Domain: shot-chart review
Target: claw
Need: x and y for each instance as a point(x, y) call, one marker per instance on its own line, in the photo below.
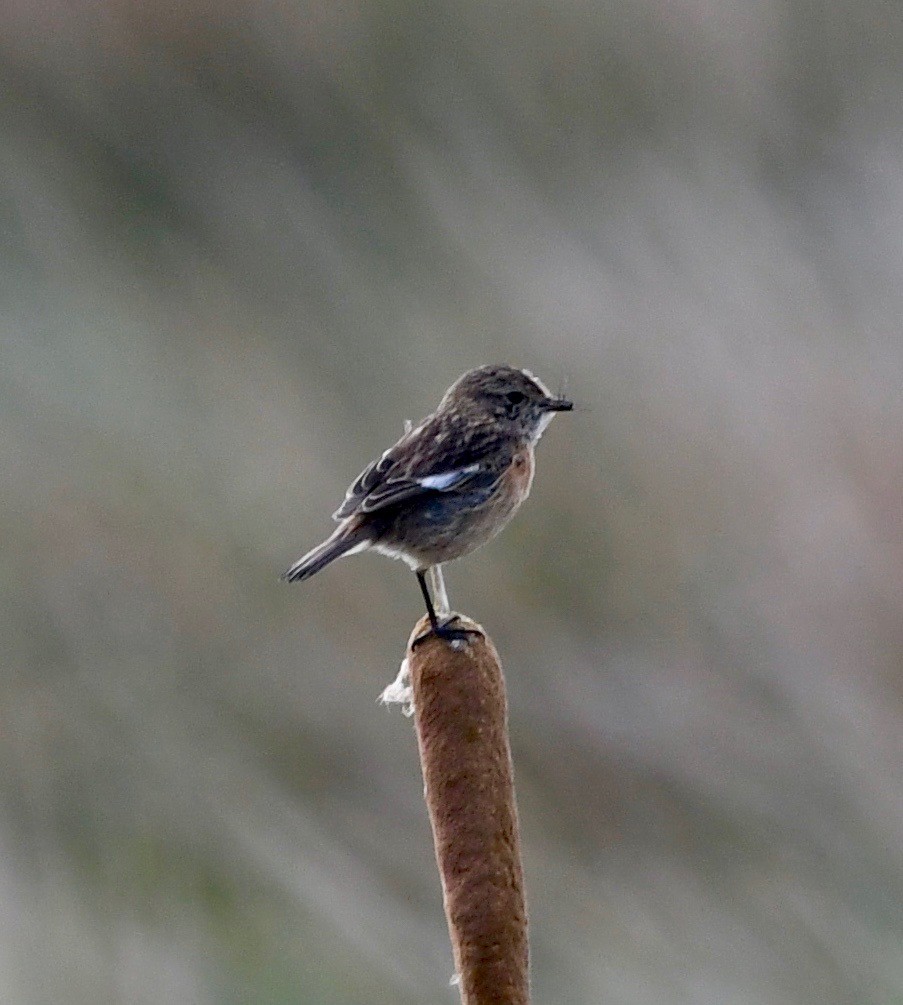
point(444, 630)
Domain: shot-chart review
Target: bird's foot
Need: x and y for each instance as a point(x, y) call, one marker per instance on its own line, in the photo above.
point(446, 629)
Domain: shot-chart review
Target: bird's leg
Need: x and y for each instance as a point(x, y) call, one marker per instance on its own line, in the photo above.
point(437, 588)
point(428, 600)
point(441, 623)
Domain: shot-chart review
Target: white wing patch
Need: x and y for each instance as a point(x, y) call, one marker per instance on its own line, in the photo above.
point(445, 479)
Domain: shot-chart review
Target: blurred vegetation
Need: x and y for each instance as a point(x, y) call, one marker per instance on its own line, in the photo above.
point(240, 246)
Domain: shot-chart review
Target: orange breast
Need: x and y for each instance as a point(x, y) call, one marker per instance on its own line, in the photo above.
point(521, 473)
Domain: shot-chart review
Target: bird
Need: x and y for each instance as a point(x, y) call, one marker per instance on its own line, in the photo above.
point(447, 486)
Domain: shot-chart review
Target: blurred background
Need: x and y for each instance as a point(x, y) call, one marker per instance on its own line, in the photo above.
point(241, 245)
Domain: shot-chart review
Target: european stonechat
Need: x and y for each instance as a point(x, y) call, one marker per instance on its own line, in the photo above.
point(448, 485)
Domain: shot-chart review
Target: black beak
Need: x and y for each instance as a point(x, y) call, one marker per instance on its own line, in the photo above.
point(558, 405)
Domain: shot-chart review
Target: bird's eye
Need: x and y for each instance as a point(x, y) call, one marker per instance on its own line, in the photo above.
point(515, 397)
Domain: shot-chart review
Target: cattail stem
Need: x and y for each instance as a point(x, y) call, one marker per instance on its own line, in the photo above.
point(461, 717)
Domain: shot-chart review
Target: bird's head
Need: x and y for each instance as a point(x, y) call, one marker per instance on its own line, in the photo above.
point(511, 397)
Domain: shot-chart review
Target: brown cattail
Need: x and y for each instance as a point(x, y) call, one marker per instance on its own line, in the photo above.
point(461, 717)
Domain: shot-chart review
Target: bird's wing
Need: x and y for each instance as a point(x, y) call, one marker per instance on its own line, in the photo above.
point(432, 458)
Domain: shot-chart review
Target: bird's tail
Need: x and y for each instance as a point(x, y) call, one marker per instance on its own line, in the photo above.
point(345, 538)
